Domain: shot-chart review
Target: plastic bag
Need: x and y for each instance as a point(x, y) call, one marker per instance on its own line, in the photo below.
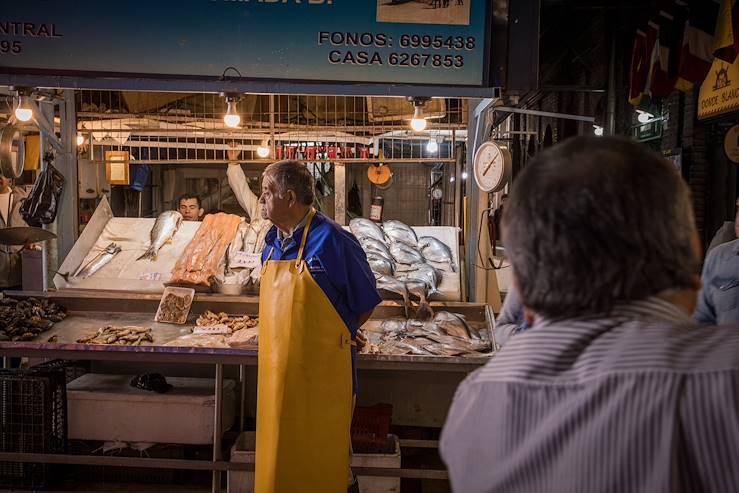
point(41, 205)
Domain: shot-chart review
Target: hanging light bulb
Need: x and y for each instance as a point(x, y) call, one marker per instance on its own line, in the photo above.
point(432, 146)
point(464, 175)
point(232, 117)
point(418, 122)
point(598, 130)
point(23, 111)
point(643, 116)
point(80, 139)
point(263, 150)
point(451, 180)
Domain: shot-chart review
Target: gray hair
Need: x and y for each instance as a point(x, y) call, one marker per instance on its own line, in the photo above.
point(292, 175)
point(595, 221)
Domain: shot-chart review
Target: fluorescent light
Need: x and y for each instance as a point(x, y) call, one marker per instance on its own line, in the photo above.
point(23, 112)
point(418, 122)
point(598, 130)
point(432, 146)
point(232, 117)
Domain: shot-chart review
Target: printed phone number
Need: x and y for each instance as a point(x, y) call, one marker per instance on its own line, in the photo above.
point(396, 59)
point(10, 47)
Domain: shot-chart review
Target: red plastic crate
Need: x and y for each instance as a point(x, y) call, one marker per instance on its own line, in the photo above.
point(370, 429)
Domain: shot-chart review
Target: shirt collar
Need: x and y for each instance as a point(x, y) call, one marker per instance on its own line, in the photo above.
point(287, 241)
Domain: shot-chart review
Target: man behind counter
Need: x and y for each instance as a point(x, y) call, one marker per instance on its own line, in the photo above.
point(189, 206)
point(317, 289)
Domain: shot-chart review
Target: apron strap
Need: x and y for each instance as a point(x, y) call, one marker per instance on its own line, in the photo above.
point(311, 215)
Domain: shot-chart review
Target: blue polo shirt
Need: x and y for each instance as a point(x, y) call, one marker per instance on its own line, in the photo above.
point(339, 266)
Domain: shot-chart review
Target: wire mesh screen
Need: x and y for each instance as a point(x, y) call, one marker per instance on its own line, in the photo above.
point(189, 128)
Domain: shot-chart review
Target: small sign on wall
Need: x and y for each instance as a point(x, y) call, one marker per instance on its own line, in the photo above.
point(116, 167)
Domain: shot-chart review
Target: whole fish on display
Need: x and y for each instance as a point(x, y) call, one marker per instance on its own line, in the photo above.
point(399, 232)
point(371, 245)
point(380, 264)
point(163, 231)
point(392, 285)
point(436, 251)
point(100, 260)
point(364, 228)
point(420, 289)
point(424, 273)
point(403, 254)
point(454, 325)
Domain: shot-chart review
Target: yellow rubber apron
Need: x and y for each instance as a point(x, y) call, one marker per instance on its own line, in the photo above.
point(304, 394)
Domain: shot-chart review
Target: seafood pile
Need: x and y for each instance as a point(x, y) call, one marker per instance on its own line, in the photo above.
point(447, 334)
point(23, 320)
point(175, 305)
point(233, 323)
point(402, 262)
point(129, 335)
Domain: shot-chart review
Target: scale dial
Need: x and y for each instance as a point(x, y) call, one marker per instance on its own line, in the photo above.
point(492, 166)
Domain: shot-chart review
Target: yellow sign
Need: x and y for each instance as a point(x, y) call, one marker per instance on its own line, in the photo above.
point(116, 167)
point(719, 93)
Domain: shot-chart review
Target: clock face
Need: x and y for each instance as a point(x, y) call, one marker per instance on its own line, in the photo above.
point(491, 166)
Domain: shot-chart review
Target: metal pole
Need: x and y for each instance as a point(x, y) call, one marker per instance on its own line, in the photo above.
point(217, 426)
point(242, 404)
point(611, 112)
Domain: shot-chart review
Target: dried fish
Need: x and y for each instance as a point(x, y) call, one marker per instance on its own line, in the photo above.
point(130, 335)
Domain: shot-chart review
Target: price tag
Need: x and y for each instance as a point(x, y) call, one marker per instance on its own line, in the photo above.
point(247, 260)
point(211, 329)
point(151, 276)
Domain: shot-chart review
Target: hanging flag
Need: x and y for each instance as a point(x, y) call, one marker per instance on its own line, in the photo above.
point(641, 63)
point(726, 40)
point(666, 53)
point(696, 55)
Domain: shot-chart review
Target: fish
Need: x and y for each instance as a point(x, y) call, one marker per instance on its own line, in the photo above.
point(403, 254)
point(420, 289)
point(393, 326)
point(422, 272)
point(100, 260)
point(163, 231)
point(436, 251)
point(364, 228)
point(380, 264)
point(372, 245)
point(453, 324)
point(392, 285)
point(398, 232)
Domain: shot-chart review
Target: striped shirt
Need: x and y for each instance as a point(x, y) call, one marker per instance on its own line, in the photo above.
point(642, 400)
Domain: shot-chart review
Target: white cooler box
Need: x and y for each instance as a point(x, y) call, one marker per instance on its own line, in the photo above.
point(243, 481)
point(106, 407)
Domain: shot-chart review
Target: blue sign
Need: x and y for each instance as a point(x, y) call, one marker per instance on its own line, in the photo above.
point(441, 42)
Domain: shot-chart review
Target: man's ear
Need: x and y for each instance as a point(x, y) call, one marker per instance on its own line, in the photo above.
point(201, 211)
point(291, 197)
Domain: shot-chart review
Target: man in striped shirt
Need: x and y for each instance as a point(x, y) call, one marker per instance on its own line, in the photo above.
point(614, 388)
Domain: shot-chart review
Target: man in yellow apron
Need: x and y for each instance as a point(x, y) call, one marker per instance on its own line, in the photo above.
point(317, 289)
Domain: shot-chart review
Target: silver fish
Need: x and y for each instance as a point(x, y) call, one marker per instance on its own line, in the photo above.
point(453, 324)
point(392, 285)
point(163, 231)
point(424, 273)
point(403, 254)
point(420, 289)
point(361, 227)
point(398, 232)
point(372, 245)
point(380, 264)
point(436, 251)
point(98, 262)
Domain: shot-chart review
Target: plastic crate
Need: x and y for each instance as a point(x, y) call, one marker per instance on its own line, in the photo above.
point(370, 429)
point(33, 419)
point(72, 369)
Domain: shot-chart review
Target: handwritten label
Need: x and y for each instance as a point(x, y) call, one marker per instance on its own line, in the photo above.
point(150, 276)
point(246, 260)
point(211, 329)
